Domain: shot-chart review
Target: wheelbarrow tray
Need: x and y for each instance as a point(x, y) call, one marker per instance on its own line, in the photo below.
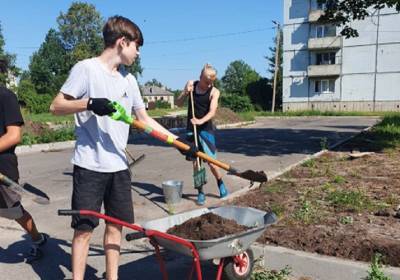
point(230, 245)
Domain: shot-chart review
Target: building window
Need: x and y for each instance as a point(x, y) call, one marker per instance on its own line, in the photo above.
point(321, 6)
point(324, 86)
point(325, 31)
point(326, 58)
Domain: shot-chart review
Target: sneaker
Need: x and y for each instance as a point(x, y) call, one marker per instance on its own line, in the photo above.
point(223, 192)
point(36, 253)
point(201, 198)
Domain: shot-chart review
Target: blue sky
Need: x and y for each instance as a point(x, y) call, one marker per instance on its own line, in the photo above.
point(180, 36)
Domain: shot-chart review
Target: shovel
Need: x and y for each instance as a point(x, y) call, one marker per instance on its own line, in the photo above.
point(199, 173)
point(26, 190)
point(121, 115)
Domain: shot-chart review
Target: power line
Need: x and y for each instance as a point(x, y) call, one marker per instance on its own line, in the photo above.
point(209, 36)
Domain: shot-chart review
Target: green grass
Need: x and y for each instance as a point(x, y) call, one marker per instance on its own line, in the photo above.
point(311, 163)
point(338, 179)
point(349, 200)
point(376, 272)
point(46, 117)
point(49, 136)
point(162, 112)
point(249, 116)
point(382, 137)
point(264, 274)
point(307, 213)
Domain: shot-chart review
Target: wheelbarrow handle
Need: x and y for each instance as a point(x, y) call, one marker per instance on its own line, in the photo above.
point(68, 212)
point(135, 236)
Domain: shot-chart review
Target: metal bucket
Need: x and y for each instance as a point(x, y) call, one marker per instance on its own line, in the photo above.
point(172, 190)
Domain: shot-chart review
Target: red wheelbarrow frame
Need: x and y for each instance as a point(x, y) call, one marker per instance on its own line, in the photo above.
point(155, 233)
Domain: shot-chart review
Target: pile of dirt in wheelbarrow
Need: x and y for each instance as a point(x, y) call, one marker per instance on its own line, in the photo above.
point(206, 227)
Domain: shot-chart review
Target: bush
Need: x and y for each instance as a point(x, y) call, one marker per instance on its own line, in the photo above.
point(236, 103)
point(34, 103)
point(162, 104)
point(49, 136)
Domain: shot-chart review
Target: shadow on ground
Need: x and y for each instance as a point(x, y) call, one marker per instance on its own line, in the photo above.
point(266, 141)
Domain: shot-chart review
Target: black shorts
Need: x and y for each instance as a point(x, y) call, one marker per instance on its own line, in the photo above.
point(91, 189)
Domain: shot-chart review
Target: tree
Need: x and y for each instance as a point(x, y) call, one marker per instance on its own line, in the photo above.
point(271, 69)
point(154, 82)
point(136, 68)
point(49, 66)
point(81, 33)
point(260, 93)
point(7, 63)
point(237, 76)
point(344, 11)
point(81, 26)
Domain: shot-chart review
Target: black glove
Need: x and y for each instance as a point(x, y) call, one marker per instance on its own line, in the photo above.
point(191, 153)
point(100, 106)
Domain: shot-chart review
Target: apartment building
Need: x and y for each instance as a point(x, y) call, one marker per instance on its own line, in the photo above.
point(324, 71)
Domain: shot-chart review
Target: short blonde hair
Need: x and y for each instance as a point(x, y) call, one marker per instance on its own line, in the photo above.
point(209, 71)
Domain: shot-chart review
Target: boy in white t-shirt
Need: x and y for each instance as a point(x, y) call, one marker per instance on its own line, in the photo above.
point(100, 165)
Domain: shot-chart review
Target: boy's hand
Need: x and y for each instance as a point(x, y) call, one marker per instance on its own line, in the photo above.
point(189, 87)
point(191, 153)
point(100, 106)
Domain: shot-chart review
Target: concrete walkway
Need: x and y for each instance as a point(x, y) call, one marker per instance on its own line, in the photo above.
point(271, 144)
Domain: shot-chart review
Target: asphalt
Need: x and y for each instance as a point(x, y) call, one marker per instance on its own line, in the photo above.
point(271, 145)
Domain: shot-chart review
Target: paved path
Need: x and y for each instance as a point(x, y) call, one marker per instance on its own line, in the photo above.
point(272, 144)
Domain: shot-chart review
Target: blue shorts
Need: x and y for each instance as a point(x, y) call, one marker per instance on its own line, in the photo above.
point(206, 142)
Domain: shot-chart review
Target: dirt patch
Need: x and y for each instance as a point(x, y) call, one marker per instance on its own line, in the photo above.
point(336, 206)
point(35, 128)
point(226, 116)
point(206, 227)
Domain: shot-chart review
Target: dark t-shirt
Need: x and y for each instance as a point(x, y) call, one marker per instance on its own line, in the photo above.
point(10, 114)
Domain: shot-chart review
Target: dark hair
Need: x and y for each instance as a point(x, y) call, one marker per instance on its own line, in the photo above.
point(117, 27)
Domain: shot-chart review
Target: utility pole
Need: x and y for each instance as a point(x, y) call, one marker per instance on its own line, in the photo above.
point(278, 40)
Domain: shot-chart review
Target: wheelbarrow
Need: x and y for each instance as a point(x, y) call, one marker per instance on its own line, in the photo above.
point(231, 253)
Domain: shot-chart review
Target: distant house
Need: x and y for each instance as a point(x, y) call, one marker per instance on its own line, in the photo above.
point(151, 94)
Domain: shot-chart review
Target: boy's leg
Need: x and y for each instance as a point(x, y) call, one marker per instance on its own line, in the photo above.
point(223, 192)
point(27, 223)
point(112, 246)
point(80, 249)
point(88, 192)
point(207, 140)
point(118, 204)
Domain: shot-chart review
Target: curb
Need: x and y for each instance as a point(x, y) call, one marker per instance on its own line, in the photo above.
point(49, 147)
point(56, 146)
point(315, 266)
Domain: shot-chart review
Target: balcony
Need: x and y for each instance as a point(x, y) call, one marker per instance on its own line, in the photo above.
point(328, 70)
point(315, 15)
point(325, 43)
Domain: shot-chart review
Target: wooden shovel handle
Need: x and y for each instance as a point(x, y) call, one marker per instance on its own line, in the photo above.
point(180, 145)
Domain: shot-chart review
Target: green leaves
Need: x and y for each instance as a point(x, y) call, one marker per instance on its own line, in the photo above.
point(345, 11)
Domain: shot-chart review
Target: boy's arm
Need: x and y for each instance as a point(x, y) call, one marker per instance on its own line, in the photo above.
point(64, 104)
point(213, 109)
point(11, 138)
point(188, 88)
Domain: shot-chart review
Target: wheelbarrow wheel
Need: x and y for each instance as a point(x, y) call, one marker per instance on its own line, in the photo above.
point(239, 267)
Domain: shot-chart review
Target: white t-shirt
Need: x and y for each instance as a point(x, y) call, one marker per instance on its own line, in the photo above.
point(101, 141)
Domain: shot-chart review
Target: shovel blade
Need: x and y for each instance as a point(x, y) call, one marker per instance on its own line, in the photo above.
point(254, 176)
point(39, 196)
